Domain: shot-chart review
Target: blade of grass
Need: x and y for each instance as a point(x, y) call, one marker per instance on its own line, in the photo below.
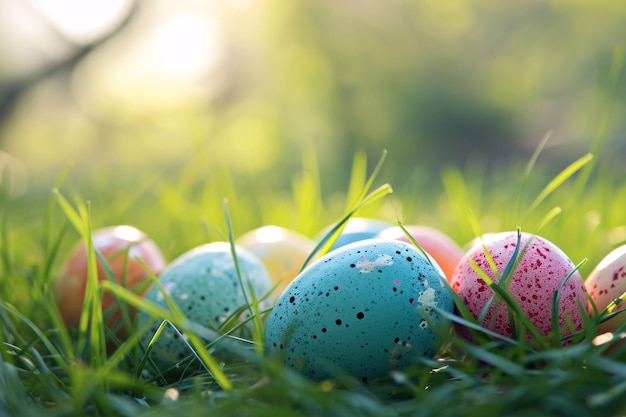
point(457, 191)
point(415, 242)
point(475, 327)
point(358, 178)
point(499, 361)
point(91, 327)
point(364, 200)
point(307, 192)
point(559, 180)
point(616, 78)
point(527, 172)
point(502, 279)
point(549, 216)
point(370, 180)
point(510, 302)
point(50, 204)
point(476, 229)
point(40, 336)
point(556, 328)
point(70, 213)
point(5, 243)
point(246, 287)
point(327, 241)
point(178, 319)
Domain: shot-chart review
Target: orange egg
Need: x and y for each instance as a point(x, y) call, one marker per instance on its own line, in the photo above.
point(282, 252)
point(445, 251)
point(120, 246)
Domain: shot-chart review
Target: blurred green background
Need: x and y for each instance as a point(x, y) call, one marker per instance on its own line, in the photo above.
point(249, 93)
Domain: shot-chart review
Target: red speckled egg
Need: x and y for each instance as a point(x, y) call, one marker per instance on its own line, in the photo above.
point(541, 269)
point(113, 243)
point(606, 282)
point(445, 251)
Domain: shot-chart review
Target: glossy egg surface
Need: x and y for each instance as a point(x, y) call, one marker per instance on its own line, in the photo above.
point(363, 309)
point(282, 251)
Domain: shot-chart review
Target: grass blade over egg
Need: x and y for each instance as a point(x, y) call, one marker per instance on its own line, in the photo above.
point(91, 341)
point(251, 300)
point(519, 322)
point(364, 199)
point(556, 328)
point(177, 319)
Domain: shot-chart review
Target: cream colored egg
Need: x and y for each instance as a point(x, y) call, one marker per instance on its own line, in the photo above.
point(607, 282)
point(282, 251)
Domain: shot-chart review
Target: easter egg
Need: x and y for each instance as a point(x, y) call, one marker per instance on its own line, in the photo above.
point(541, 270)
point(356, 228)
point(440, 246)
point(122, 247)
point(605, 283)
point(282, 251)
point(364, 309)
point(204, 285)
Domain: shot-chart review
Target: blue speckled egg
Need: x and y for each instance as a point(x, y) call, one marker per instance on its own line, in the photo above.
point(363, 309)
point(357, 228)
point(203, 283)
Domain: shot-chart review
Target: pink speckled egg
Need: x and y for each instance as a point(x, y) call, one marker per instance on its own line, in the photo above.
point(606, 282)
point(541, 269)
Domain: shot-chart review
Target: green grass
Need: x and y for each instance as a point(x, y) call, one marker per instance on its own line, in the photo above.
point(47, 368)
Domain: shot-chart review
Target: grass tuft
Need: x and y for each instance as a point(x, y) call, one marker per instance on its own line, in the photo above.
point(47, 368)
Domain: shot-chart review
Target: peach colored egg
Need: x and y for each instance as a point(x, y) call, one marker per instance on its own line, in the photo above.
point(282, 251)
point(540, 270)
point(440, 246)
point(120, 246)
point(607, 282)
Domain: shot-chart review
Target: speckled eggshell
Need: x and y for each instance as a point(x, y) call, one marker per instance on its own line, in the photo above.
point(605, 283)
point(363, 309)
point(539, 273)
point(356, 229)
point(440, 246)
point(282, 251)
point(204, 285)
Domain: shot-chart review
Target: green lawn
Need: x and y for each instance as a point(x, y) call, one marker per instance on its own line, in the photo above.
point(49, 369)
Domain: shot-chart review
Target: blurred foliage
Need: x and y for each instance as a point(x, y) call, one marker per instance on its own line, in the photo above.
point(473, 84)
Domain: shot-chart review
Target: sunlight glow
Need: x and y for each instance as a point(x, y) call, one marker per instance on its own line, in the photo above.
point(83, 21)
point(128, 233)
point(268, 234)
point(185, 45)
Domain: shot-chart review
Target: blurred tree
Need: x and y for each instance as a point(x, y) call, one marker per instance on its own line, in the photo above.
point(13, 85)
point(253, 84)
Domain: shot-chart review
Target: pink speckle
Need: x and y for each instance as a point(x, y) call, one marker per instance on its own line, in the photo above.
point(396, 282)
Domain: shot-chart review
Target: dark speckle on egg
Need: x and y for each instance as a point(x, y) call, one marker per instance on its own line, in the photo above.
point(204, 285)
point(360, 322)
